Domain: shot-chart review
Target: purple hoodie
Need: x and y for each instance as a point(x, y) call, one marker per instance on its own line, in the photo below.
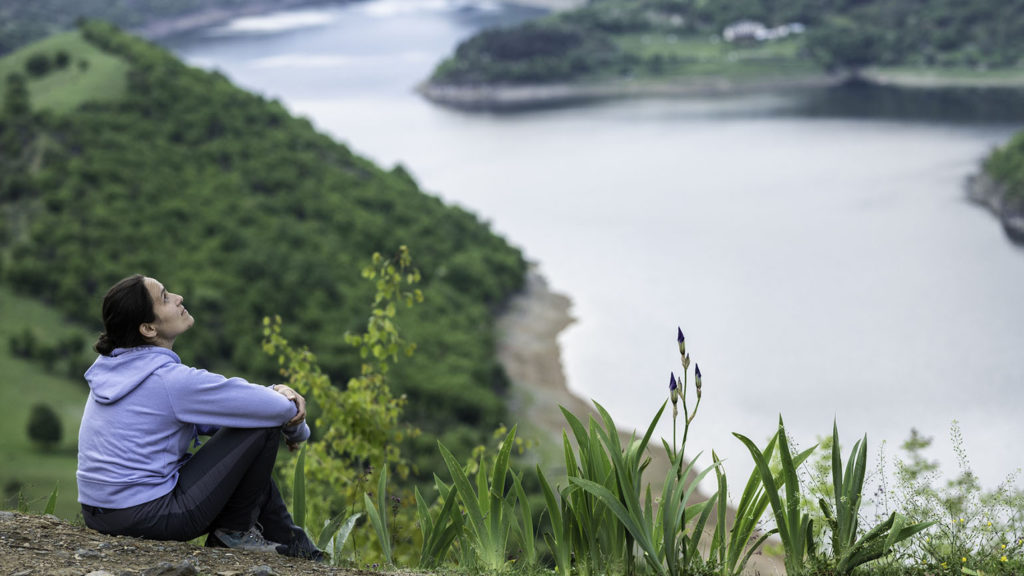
point(146, 408)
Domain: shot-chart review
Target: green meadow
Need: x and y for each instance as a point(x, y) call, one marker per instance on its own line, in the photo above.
point(27, 468)
point(680, 57)
point(90, 74)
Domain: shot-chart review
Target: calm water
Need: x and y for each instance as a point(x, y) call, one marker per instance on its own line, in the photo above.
point(816, 249)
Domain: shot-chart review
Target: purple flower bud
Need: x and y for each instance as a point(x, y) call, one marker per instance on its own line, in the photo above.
point(672, 381)
point(696, 371)
point(681, 340)
point(673, 388)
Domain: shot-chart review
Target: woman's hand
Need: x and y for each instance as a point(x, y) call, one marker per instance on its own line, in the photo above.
point(295, 397)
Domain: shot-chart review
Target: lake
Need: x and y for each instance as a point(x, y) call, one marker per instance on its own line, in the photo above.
point(816, 248)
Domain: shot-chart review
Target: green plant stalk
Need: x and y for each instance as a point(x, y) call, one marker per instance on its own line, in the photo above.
point(597, 538)
point(795, 529)
point(524, 526)
point(627, 466)
point(558, 539)
point(378, 516)
point(330, 529)
point(674, 516)
point(848, 488)
point(299, 489)
point(490, 532)
point(729, 545)
point(336, 539)
point(51, 504)
point(437, 535)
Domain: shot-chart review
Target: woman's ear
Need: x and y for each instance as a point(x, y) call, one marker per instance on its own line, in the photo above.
point(147, 330)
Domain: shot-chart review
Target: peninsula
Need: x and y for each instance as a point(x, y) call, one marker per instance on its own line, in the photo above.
point(618, 48)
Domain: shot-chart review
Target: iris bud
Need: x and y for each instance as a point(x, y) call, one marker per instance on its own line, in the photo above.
point(673, 388)
point(681, 340)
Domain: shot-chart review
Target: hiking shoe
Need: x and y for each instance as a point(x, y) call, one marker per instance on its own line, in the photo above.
point(251, 540)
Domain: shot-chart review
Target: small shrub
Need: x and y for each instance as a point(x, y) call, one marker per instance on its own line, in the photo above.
point(38, 64)
point(24, 344)
point(44, 427)
point(61, 59)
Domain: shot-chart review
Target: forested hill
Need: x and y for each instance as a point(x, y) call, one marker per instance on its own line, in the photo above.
point(25, 21)
point(670, 38)
point(244, 210)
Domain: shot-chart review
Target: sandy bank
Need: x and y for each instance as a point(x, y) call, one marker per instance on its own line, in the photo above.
point(516, 97)
point(553, 5)
point(213, 16)
point(207, 17)
point(528, 349)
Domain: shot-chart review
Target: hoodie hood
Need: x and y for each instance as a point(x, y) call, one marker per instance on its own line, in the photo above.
point(112, 377)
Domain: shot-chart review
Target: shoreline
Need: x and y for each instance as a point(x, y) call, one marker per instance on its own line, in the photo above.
point(983, 190)
point(528, 349)
point(527, 96)
point(207, 17)
point(516, 97)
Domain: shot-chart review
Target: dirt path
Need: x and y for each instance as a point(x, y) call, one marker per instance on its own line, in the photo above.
point(33, 545)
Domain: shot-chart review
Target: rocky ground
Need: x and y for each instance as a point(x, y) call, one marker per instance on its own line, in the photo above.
point(48, 546)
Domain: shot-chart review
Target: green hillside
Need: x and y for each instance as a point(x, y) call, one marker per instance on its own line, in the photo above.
point(25, 383)
point(245, 211)
point(87, 73)
point(26, 21)
point(679, 39)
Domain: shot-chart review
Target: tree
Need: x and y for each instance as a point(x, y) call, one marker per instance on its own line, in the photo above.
point(38, 64)
point(843, 44)
point(16, 99)
point(44, 427)
point(61, 59)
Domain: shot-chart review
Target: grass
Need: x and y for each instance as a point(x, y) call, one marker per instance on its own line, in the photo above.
point(24, 383)
point(104, 77)
point(688, 57)
point(947, 77)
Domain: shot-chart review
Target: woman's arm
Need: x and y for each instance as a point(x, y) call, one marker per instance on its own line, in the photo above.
point(199, 396)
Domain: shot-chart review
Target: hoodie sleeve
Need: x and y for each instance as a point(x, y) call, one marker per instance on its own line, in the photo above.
point(297, 433)
point(209, 399)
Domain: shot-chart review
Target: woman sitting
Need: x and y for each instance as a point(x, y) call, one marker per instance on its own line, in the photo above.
point(136, 474)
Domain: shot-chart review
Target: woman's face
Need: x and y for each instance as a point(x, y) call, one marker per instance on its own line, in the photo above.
point(172, 319)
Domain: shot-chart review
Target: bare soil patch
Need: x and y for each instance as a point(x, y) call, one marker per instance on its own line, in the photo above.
point(33, 545)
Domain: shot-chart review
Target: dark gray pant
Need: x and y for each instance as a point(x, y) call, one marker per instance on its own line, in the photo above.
point(225, 484)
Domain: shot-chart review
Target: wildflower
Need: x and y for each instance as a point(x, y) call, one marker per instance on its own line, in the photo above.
point(1004, 546)
point(963, 559)
point(673, 388)
point(681, 340)
point(697, 375)
point(944, 565)
point(1003, 559)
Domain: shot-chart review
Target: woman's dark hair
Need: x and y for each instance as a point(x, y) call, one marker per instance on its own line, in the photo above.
point(126, 306)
